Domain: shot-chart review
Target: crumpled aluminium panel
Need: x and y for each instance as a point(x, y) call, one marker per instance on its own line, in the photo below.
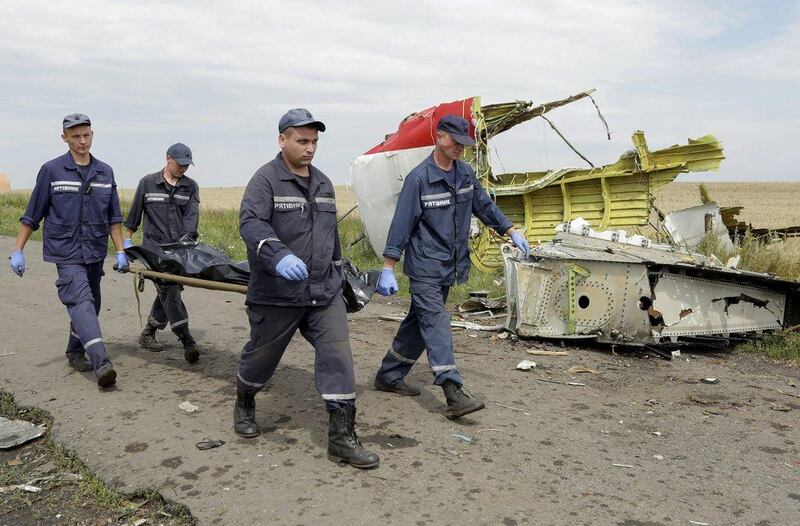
point(14, 433)
point(586, 288)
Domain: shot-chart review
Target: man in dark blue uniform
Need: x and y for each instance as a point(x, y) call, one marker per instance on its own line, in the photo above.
point(169, 200)
point(431, 225)
point(288, 222)
point(76, 195)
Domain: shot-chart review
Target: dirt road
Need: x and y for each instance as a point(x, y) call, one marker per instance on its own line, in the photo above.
point(641, 443)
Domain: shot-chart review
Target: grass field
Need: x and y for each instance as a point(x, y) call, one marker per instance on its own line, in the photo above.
point(766, 205)
point(769, 205)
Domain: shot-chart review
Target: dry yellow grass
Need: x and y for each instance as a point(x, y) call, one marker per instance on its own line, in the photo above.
point(766, 205)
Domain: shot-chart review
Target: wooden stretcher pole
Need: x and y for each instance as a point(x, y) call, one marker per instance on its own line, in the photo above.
point(189, 282)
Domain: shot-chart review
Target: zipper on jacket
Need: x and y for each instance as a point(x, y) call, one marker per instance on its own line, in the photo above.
point(455, 229)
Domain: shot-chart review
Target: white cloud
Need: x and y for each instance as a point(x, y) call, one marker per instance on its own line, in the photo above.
point(219, 76)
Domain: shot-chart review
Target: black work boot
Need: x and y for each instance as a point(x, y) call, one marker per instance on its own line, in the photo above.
point(190, 352)
point(148, 338)
point(244, 412)
point(401, 387)
point(459, 401)
point(106, 375)
point(343, 442)
point(80, 363)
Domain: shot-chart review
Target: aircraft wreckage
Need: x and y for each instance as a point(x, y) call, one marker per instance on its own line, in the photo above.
point(580, 283)
point(617, 195)
point(608, 287)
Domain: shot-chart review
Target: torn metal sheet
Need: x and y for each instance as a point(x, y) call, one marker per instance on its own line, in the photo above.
point(578, 286)
point(617, 195)
point(689, 227)
point(481, 304)
point(14, 433)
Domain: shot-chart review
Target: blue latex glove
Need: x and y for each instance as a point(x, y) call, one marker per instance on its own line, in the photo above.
point(292, 268)
point(521, 243)
point(127, 243)
point(18, 262)
point(387, 283)
point(122, 262)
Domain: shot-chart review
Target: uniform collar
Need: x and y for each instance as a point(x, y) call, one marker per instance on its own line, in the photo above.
point(285, 174)
point(162, 180)
point(436, 174)
point(70, 164)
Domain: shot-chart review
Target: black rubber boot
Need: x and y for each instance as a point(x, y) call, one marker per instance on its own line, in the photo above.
point(459, 401)
point(244, 412)
point(80, 363)
point(190, 351)
point(148, 338)
point(106, 375)
point(401, 387)
point(343, 443)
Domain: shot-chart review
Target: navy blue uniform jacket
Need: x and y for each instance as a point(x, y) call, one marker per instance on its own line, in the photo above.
point(77, 213)
point(169, 211)
point(431, 222)
point(279, 217)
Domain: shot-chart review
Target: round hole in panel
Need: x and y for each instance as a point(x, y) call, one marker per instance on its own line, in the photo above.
point(583, 302)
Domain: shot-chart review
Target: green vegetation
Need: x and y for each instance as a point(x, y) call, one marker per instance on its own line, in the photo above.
point(781, 259)
point(784, 346)
point(90, 495)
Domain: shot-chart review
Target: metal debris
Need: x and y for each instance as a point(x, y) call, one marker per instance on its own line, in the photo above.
point(14, 433)
point(538, 352)
point(690, 226)
point(208, 443)
point(526, 365)
point(578, 369)
point(618, 194)
point(630, 291)
point(462, 437)
point(453, 323)
point(188, 407)
point(481, 304)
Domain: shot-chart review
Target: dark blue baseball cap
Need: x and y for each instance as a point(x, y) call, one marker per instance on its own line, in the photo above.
point(180, 153)
point(299, 117)
point(457, 127)
point(75, 119)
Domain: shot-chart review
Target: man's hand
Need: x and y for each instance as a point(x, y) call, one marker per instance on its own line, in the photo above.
point(387, 283)
point(521, 243)
point(292, 268)
point(18, 262)
point(122, 262)
point(127, 243)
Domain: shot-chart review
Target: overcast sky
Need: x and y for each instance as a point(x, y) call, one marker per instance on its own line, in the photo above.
point(218, 76)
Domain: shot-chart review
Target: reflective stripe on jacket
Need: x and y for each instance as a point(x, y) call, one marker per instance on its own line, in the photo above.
point(279, 217)
point(77, 213)
point(165, 212)
point(431, 222)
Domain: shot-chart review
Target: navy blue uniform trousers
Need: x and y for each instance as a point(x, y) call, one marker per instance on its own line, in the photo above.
point(78, 287)
point(169, 307)
point(426, 326)
point(324, 327)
